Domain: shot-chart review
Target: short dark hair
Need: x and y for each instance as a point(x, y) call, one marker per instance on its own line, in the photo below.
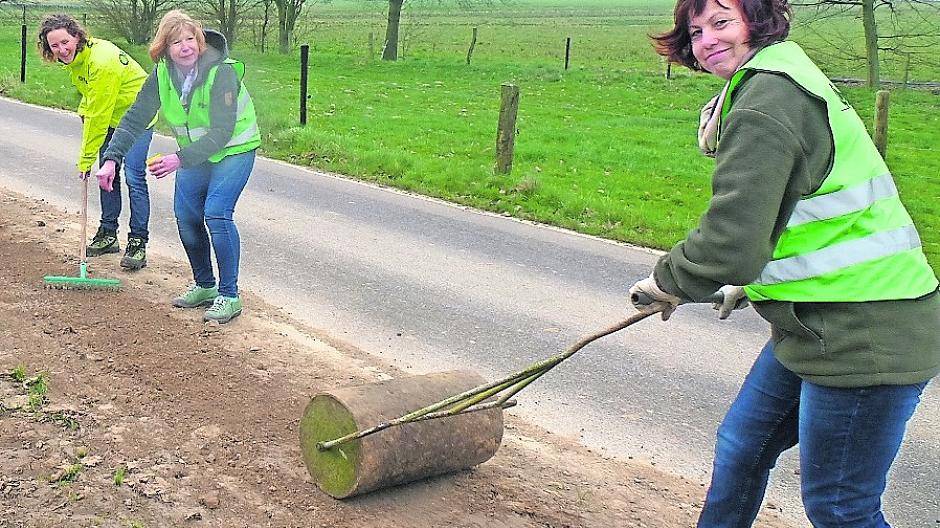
point(768, 21)
point(59, 21)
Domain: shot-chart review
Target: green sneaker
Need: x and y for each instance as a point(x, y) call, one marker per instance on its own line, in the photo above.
point(135, 257)
point(223, 309)
point(103, 242)
point(195, 296)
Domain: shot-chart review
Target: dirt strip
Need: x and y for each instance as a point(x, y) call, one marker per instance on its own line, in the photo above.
point(154, 419)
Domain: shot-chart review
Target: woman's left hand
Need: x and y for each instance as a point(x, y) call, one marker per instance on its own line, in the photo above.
point(164, 165)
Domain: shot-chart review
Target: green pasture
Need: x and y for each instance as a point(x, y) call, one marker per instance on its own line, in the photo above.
point(607, 147)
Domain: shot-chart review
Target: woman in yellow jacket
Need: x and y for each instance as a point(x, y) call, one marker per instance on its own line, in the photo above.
point(108, 80)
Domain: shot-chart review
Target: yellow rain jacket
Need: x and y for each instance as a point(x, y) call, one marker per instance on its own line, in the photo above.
point(108, 80)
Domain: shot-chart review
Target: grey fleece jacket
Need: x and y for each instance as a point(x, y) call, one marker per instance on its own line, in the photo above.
point(222, 113)
point(775, 147)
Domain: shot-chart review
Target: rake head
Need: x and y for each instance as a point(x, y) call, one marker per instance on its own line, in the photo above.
point(82, 282)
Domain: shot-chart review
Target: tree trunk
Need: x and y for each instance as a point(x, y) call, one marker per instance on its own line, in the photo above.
point(264, 25)
point(283, 35)
point(871, 42)
point(390, 53)
point(232, 25)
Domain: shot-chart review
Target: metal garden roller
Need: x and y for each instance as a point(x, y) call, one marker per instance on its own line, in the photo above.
point(359, 439)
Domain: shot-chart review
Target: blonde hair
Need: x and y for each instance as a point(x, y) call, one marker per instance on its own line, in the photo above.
point(172, 25)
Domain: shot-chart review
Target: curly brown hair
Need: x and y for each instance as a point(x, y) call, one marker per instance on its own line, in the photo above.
point(768, 21)
point(59, 21)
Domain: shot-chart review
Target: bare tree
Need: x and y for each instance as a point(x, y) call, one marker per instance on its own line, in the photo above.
point(132, 19)
point(288, 11)
point(392, 31)
point(909, 27)
point(265, 21)
point(227, 14)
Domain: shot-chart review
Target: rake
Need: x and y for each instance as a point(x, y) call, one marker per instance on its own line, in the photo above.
point(83, 281)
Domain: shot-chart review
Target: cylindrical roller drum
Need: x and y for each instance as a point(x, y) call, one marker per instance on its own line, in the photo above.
point(398, 454)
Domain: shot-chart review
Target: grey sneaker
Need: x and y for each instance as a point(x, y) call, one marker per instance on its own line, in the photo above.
point(195, 296)
point(103, 242)
point(136, 255)
point(223, 309)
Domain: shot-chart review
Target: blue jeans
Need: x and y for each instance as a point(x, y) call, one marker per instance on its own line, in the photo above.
point(205, 195)
point(848, 439)
point(135, 166)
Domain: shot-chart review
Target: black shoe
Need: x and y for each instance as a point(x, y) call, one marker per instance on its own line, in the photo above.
point(104, 242)
point(136, 255)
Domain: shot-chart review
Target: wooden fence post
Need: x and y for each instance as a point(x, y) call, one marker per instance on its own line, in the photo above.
point(473, 44)
point(567, 52)
point(881, 121)
point(23, 51)
point(668, 70)
point(506, 133)
point(304, 55)
point(371, 46)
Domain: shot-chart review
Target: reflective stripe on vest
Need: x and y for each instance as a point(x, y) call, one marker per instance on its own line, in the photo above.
point(851, 240)
point(842, 255)
point(189, 126)
point(843, 202)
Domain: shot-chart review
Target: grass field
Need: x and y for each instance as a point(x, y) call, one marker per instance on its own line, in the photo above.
point(606, 148)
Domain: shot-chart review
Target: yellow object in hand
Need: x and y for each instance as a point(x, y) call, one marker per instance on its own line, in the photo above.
point(153, 159)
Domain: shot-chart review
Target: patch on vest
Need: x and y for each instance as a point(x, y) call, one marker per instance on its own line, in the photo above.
point(229, 98)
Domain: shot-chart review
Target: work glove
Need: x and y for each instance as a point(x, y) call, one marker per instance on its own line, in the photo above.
point(656, 299)
point(734, 299)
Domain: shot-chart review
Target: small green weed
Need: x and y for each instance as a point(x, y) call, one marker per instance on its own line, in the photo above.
point(119, 475)
point(37, 387)
point(18, 373)
point(69, 474)
point(63, 420)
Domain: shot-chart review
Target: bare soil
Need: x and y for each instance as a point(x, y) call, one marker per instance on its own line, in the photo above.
point(201, 420)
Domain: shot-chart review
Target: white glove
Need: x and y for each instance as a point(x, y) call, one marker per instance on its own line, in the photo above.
point(655, 298)
point(734, 299)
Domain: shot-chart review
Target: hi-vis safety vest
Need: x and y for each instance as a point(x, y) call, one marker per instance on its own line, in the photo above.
point(852, 240)
point(192, 125)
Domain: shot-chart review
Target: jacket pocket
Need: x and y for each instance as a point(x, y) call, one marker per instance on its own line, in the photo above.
point(797, 329)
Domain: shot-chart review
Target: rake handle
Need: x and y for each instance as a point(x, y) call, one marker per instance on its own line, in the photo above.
point(82, 250)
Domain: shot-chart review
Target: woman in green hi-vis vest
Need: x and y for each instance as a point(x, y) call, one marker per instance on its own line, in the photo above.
point(805, 216)
point(198, 90)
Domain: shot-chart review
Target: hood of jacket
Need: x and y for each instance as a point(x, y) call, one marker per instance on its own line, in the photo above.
point(216, 49)
point(216, 52)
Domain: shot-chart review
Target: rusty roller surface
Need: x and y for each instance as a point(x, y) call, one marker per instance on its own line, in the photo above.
point(399, 454)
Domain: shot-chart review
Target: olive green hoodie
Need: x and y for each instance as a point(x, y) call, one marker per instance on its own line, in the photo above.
point(776, 147)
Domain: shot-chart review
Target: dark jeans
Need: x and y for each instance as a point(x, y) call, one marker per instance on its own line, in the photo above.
point(135, 167)
point(848, 439)
point(205, 195)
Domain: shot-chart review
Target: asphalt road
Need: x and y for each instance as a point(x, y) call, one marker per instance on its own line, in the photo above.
point(432, 286)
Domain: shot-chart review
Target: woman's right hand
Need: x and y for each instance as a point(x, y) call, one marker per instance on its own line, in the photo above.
point(105, 175)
